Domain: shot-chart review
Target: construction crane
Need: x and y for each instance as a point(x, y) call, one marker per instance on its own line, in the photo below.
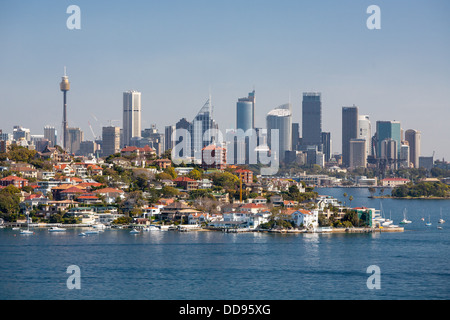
point(92, 130)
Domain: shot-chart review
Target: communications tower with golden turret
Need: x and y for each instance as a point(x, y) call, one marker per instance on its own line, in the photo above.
point(65, 86)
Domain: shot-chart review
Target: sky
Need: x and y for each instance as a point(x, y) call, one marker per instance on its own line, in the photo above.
point(176, 53)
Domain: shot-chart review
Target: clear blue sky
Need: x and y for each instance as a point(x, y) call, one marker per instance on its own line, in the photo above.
point(175, 52)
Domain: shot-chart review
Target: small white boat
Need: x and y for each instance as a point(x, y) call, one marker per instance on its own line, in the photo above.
point(82, 234)
point(26, 232)
point(92, 232)
point(439, 227)
point(134, 231)
point(428, 223)
point(441, 220)
point(152, 228)
point(16, 228)
point(405, 221)
point(99, 226)
point(56, 229)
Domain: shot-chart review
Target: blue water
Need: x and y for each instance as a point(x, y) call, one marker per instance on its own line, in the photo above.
point(254, 266)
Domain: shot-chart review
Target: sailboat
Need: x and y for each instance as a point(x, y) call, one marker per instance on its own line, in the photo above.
point(441, 220)
point(428, 223)
point(28, 231)
point(405, 221)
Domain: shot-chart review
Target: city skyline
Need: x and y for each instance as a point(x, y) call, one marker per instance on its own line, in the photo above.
point(382, 71)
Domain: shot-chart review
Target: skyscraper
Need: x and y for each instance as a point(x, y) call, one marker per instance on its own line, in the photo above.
point(365, 132)
point(131, 116)
point(413, 138)
point(357, 155)
point(280, 119)
point(50, 135)
point(202, 134)
point(388, 130)
point(74, 139)
point(349, 131)
point(65, 86)
point(311, 119)
point(168, 143)
point(111, 140)
point(326, 145)
point(245, 112)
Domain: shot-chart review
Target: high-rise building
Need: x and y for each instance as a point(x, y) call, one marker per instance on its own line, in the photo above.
point(311, 119)
point(110, 141)
point(413, 138)
point(245, 112)
point(365, 132)
point(20, 133)
point(349, 131)
point(65, 86)
point(50, 135)
point(326, 145)
point(404, 155)
point(168, 143)
point(202, 128)
point(357, 155)
point(75, 137)
point(131, 116)
point(280, 119)
point(388, 130)
point(296, 136)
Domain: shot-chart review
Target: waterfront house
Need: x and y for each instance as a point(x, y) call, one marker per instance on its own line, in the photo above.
point(393, 182)
point(309, 219)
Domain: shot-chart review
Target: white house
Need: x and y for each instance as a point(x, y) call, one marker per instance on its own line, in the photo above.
point(309, 219)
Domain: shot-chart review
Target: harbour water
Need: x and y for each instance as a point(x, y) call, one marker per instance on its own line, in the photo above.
point(171, 265)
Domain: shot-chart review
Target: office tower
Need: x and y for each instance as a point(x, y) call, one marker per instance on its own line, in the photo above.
point(110, 141)
point(186, 126)
point(65, 86)
point(357, 153)
point(326, 145)
point(280, 119)
point(296, 136)
point(426, 162)
point(168, 131)
point(404, 155)
point(153, 139)
point(388, 130)
point(389, 153)
point(131, 116)
point(413, 138)
point(87, 148)
point(365, 132)
point(245, 108)
point(74, 138)
point(349, 131)
point(20, 133)
point(50, 135)
point(202, 128)
point(311, 119)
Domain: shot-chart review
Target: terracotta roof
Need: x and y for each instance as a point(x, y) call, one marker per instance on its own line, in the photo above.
point(182, 179)
point(13, 178)
point(73, 190)
point(108, 190)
